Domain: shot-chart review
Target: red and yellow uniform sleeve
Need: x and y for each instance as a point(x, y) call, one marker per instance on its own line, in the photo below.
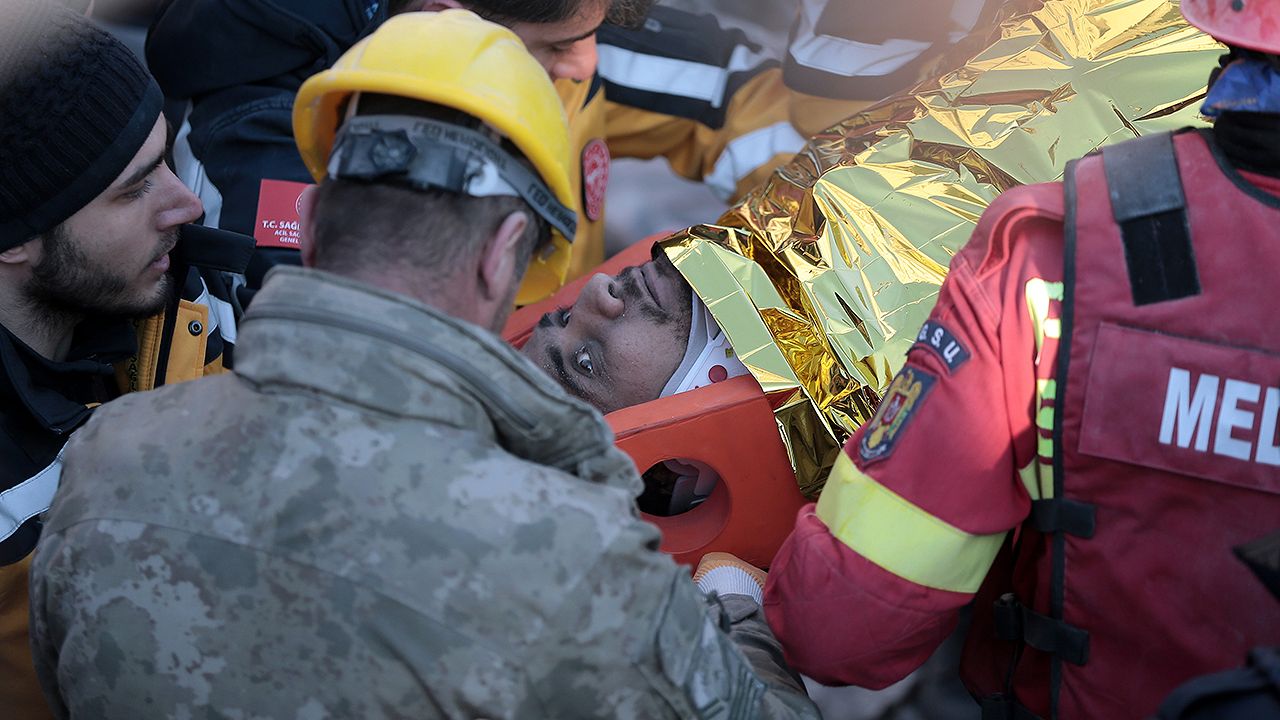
point(925, 494)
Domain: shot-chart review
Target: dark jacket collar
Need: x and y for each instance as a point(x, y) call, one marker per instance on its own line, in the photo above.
point(55, 393)
point(1251, 141)
point(214, 249)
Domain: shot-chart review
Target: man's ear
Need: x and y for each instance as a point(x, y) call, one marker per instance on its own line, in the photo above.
point(497, 269)
point(306, 225)
point(21, 254)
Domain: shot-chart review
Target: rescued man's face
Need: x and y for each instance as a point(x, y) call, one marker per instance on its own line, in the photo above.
point(619, 343)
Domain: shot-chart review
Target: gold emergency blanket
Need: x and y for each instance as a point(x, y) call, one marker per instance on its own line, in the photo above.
point(822, 277)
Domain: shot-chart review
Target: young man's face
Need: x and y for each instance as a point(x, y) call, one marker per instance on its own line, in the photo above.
point(619, 343)
point(111, 257)
point(566, 49)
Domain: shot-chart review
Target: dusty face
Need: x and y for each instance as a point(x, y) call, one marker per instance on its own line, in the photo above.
point(566, 49)
point(112, 257)
point(619, 343)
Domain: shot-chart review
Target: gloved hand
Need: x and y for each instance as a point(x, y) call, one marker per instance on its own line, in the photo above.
point(727, 574)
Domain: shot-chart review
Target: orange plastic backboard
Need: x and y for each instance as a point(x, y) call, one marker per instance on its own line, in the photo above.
point(729, 426)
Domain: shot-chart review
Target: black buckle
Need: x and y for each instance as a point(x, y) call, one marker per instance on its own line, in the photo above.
point(1008, 618)
point(1063, 515)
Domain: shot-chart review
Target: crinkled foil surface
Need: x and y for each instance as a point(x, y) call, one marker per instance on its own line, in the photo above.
point(822, 276)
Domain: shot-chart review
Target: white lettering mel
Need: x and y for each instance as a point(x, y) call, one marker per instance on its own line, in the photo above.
point(1189, 414)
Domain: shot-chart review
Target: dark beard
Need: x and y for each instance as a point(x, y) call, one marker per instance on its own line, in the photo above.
point(64, 283)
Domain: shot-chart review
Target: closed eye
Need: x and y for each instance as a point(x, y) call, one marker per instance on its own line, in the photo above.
point(142, 190)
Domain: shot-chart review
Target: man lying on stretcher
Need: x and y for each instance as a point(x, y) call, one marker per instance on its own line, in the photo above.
point(631, 338)
point(826, 273)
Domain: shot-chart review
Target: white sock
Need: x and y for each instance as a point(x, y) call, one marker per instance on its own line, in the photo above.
point(729, 580)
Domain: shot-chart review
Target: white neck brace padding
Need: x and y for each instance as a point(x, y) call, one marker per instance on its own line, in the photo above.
point(708, 357)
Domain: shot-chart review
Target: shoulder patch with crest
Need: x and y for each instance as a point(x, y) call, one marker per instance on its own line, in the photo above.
point(905, 395)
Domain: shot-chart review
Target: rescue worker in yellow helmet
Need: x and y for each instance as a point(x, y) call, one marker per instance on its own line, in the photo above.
point(489, 80)
point(388, 512)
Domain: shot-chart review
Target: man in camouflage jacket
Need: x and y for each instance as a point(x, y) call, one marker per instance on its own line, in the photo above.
point(387, 512)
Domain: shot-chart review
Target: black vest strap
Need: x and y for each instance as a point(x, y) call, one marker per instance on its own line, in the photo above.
point(1148, 204)
point(1016, 622)
point(1064, 515)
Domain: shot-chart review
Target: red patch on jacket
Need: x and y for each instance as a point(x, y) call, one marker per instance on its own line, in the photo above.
point(595, 178)
point(279, 214)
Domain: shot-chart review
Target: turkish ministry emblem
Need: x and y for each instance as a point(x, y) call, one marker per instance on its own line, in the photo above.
point(279, 214)
point(595, 178)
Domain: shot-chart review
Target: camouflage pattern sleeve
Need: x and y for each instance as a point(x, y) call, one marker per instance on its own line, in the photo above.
point(655, 646)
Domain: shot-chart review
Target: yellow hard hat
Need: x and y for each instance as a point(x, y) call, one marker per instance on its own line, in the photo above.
point(455, 59)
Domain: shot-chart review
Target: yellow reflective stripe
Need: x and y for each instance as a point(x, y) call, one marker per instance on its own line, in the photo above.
point(1038, 294)
point(1046, 397)
point(1044, 446)
point(886, 529)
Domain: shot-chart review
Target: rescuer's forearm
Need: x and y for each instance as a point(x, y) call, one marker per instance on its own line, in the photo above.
point(844, 621)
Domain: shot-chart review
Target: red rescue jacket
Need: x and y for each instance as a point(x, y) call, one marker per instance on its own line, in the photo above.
point(1167, 454)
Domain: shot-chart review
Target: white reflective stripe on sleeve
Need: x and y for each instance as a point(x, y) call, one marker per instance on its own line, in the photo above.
point(669, 76)
point(844, 57)
point(222, 317)
point(850, 58)
point(191, 171)
point(747, 152)
point(29, 498)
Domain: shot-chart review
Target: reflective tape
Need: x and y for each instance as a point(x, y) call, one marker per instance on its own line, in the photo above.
point(886, 529)
point(192, 173)
point(749, 151)
point(29, 498)
point(673, 76)
point(222, 316)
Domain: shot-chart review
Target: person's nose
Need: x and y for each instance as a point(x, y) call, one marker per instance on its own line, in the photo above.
point(181, 206)
point(579, 63)
point(601, 294)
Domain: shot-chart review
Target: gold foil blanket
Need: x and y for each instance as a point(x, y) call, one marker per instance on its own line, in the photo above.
point(823, 275)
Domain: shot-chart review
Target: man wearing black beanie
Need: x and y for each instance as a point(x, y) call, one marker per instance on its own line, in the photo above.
point(103, 287)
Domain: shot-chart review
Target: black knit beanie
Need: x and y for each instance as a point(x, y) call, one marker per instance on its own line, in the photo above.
point(75, 107)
